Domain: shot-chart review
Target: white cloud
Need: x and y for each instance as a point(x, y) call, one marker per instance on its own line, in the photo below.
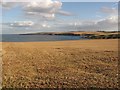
point(109, 10)
point(45, 26)
point(39, 8)
point(106, 24)
point(21, 24)
point(9, 5)
point(64, 13)
point(109, 23)
point(46, 9)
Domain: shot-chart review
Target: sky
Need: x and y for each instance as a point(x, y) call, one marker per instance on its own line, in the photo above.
point(57, 16)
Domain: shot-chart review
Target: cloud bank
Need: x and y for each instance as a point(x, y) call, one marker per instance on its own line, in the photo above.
point(40, 8)
point(42, 16)
point(109, 10)
point(22, 24)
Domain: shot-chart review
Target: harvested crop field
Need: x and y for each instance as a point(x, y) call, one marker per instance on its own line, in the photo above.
point(63, 64)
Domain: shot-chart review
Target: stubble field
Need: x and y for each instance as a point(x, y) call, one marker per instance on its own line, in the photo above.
point(63, 64)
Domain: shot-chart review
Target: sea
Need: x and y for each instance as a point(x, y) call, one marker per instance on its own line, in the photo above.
point(38, 38)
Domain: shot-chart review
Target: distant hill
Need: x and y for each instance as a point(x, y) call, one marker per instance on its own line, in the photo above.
point(84, 34)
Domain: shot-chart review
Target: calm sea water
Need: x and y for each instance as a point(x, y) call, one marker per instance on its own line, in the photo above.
point(33, 38)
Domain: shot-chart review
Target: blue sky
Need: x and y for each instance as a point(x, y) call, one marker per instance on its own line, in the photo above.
point(59, 16)
point(87, 10)
point(89, 0)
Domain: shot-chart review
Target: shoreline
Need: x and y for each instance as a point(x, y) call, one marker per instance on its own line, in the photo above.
point(65, 40)
point(84, 34)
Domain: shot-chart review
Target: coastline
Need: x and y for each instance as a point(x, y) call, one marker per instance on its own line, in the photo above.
point(84, 34)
